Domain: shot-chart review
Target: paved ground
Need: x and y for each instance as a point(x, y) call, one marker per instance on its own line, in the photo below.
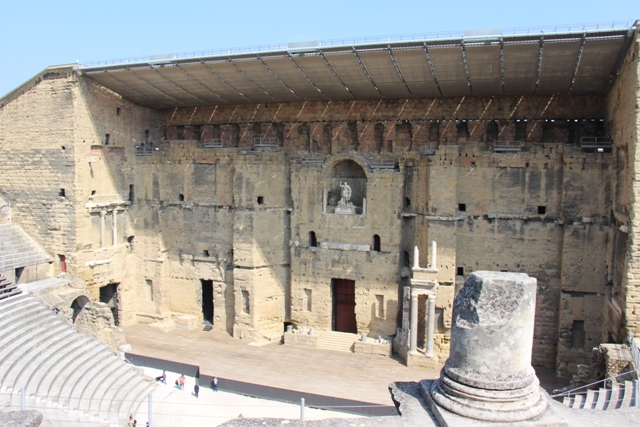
point(339, 374)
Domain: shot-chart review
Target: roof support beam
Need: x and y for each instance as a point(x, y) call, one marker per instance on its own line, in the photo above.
point(306, 76)
point(466, 67)
point(395, 64)
point(355, 53)
point(251, 80)
point(226, 82)
point(201, 84)
point(616, 67)
point(155, 88)
point(433, 70)
point(336, 74)
point(539, 64)
point(575, 70)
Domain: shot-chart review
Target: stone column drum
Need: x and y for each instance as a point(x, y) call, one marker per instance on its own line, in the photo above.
point(488, 375)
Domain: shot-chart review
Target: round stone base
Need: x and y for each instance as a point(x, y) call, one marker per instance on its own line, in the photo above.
point(489, 405)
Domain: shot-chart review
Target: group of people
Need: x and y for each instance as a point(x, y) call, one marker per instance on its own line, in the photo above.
point(134, 423)
point(180, 383)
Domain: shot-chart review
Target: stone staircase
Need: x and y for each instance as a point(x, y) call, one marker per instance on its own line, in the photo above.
point(17, 249)
point(619, 396)
point(73, 379)
point(8, 288)
point(337, 341)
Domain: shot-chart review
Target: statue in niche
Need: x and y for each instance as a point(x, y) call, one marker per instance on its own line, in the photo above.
point(345, 206)
point(346, 193)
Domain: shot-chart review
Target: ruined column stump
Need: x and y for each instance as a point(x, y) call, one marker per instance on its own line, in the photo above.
point(488, 375)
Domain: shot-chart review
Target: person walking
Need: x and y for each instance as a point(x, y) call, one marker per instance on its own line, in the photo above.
point(181, 379)
point(196, 390)
point(214, 383)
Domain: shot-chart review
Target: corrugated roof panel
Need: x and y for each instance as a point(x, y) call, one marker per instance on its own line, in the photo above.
point(596, 64)
point(262, 77)
point(558, 64)
point(237, 80)
point(317, 70)
point(484, 69)
point(416, 71)
point(189, 84)
point(207, 78)
point(352, 74)
point(384, 73)
point(520, 68)
point(450, 72)
point(166, 86)
point(287, 70)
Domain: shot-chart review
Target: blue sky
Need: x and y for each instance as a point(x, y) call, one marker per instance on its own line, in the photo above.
point(37, 34)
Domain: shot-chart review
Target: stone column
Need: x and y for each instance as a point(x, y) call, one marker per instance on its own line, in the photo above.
point(114, 227)
point(431, 324)
point(413, 343)
point(102, 214)
point(488, 375)
point(324, 201)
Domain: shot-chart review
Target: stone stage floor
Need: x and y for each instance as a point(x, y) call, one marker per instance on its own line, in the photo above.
point(311, 370)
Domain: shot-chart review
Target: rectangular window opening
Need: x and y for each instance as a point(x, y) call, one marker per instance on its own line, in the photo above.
point(460, 271)
point(542, 210)
point(117, 111)
point(462, 207)
point(62, 193)
point(107, 137)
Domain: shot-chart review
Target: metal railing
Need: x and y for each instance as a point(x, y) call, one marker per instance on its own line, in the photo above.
point(23, 259)
point(596, 142)
point(395, 38)
point(266, 142)
point(507, 146)
point(145, 150)
point(215, 143)
point(314, 158)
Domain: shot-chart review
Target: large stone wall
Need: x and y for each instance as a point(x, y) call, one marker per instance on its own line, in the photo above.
point(242, 217)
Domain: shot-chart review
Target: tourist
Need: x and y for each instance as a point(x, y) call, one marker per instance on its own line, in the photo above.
point(130, 423)
point(162, 378)
point(181, 381)
point(214, 383)
point(196, 389)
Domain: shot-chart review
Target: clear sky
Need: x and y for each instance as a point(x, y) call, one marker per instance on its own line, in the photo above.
point(36, 34)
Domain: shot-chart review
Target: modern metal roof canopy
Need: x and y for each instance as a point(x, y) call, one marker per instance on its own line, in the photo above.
point(483, 63)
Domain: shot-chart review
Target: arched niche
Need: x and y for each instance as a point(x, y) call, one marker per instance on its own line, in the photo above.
point(80, 307)
point(345, 187)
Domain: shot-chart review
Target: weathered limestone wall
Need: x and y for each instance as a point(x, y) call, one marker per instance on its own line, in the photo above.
point(37, 152)
point(623, 115)
point(242, 217)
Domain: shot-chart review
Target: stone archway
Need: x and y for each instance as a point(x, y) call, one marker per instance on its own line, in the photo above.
point(345, 188)
point(81, 307)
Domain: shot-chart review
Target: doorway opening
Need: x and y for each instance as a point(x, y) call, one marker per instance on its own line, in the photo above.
point(207, 300)
point(344, 305)
point(109, 296)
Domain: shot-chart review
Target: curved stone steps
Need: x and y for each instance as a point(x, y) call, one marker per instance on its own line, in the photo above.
point(68, 369)
point(12, 326)
point(137, 400)
point(33, 335)
point(90, 388)
point(9, 302)
point(64, 339)
point(59, 356)
point(11, 314)
point(126, 397)
point(112, 387)
point(34, 355)
point(96, 364)
point(52, 416)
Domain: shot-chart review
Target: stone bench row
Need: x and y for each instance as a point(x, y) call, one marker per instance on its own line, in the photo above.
point(57, 365)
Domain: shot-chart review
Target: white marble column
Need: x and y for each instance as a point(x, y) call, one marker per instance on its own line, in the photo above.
point(431, 325)
point(433, 255)
point(416, 258)
point(102, 242)
point(413, 344)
